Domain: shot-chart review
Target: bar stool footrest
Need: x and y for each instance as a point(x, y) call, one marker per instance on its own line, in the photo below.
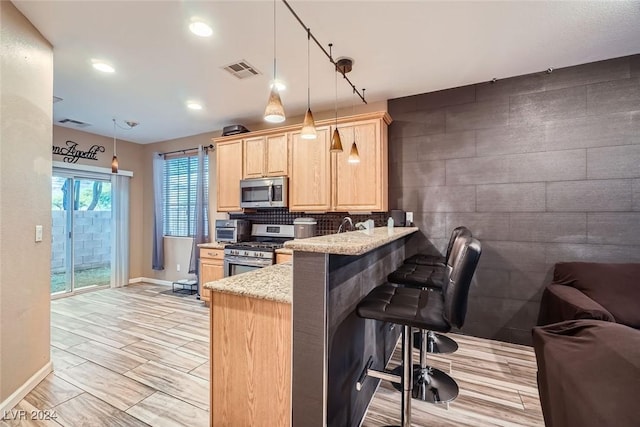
point(440, 389)
point(441, 344)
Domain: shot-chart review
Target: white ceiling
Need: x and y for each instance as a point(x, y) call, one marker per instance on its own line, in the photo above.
point(400, 48)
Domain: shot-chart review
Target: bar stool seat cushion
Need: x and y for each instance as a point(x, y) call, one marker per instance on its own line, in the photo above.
point(405, 306)
point(424, 259)
point(420, 276)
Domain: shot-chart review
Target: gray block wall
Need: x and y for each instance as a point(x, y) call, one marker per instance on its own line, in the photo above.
point(542, 168)
point(92, 240)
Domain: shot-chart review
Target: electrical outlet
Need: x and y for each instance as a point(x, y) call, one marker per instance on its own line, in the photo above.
point(177, 267)
point(409, 218)
point(38, 233)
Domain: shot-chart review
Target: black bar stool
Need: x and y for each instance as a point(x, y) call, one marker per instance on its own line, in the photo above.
point(438, 260)
point(423, 309)
point(415, 272)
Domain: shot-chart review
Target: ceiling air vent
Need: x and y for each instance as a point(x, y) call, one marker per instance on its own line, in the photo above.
point(76, 123)
point(241, 69)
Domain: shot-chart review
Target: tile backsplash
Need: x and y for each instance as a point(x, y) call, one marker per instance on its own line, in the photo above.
point(327, 223)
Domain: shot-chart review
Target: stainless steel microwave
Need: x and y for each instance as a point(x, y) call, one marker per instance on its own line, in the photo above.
point(264, 192)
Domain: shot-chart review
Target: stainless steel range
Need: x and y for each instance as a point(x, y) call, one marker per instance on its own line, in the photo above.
point(259, 251)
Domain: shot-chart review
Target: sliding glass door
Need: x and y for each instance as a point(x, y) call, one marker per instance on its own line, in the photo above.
point(81, 232)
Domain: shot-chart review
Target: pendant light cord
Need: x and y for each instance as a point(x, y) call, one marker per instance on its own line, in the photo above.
point(114, 137)
point(335, 104)
point(308, 69)
point(321, 47)
point(274, 44)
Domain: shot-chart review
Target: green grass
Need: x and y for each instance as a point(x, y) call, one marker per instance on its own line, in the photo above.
point(84, 278)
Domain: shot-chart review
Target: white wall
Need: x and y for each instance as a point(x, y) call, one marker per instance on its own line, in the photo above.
point(26, 90)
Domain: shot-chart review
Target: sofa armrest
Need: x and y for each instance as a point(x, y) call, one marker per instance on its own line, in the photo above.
point(560, 303)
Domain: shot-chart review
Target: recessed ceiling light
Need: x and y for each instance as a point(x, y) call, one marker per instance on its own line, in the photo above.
point(102, 66)
point(200, 29)
point(194, 106)
point(279, 85)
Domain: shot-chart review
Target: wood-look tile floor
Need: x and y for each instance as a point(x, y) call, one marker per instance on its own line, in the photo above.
point(135, 357)
point(125, 357)
point(497, 384)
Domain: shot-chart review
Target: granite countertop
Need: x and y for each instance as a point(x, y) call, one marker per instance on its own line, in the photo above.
point(271, 283)
point(213, 245)
point(284, 251)
point(351, 243)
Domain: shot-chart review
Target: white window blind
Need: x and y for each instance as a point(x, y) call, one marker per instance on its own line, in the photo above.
point(180, 174)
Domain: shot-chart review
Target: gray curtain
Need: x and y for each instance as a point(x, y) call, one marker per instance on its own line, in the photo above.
point(200, 213)
point(157, 262)
point(120, 231)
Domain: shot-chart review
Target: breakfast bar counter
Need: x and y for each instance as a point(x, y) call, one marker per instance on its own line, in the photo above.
point(331, 344)
point(270, 283)
point(351, 243)
point(262, 373)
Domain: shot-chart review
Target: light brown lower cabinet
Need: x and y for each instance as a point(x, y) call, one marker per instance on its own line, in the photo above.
point(211, 269)
point(250, 361)
point(280, 258)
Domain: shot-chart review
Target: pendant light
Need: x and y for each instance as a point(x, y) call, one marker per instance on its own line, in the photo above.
point(308, 126)
point(114, 161)
point(274, 113)
point(336, 141)
point(354, 156)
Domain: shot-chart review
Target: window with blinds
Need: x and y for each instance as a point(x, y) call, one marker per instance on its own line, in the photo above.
point(180, 175)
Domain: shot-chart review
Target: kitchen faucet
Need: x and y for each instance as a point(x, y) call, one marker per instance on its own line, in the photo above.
point(345, 220)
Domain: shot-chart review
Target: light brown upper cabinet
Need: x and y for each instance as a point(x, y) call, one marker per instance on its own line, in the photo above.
point(310, 179)
point(228, 175)
point(325, 182)
point(361, 186)
point(319, 181)
point(266, 156)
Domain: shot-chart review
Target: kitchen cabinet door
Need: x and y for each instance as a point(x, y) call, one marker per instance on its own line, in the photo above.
point(277, 155)
point(280, 258)
point(254, 153)
point(211, 269)
point(361, 186)
point(228, 175)
point(310, 180)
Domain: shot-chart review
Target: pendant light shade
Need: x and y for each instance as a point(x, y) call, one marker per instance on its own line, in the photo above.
point(114, 164)
point(354, 156)
point(308, 127)
point(274, 113)
point(114, 160)
point(336, 142)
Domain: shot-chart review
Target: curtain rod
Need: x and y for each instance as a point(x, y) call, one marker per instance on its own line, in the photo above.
point(327, 54)
point(206, 147)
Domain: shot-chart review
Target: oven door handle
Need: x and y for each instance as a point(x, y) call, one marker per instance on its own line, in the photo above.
point(240, 260)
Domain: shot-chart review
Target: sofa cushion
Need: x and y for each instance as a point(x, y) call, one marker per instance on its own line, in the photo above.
point(560, 303)
point(614, 286)
point(588, 373)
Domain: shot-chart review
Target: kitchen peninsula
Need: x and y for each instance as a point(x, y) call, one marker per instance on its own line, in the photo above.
point(262, 371)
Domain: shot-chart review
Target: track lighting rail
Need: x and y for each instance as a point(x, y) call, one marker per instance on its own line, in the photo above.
point(327, 54)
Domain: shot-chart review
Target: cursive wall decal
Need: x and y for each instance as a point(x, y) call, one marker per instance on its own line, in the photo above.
point(71, 154)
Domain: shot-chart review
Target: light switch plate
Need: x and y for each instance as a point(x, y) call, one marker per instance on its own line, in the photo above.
point(38, 233)
point(409, 217)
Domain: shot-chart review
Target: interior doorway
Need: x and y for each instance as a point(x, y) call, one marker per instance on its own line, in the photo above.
point(81, 216)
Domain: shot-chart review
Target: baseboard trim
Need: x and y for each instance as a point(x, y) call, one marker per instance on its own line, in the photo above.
point(150, 280)
point(25, 388)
